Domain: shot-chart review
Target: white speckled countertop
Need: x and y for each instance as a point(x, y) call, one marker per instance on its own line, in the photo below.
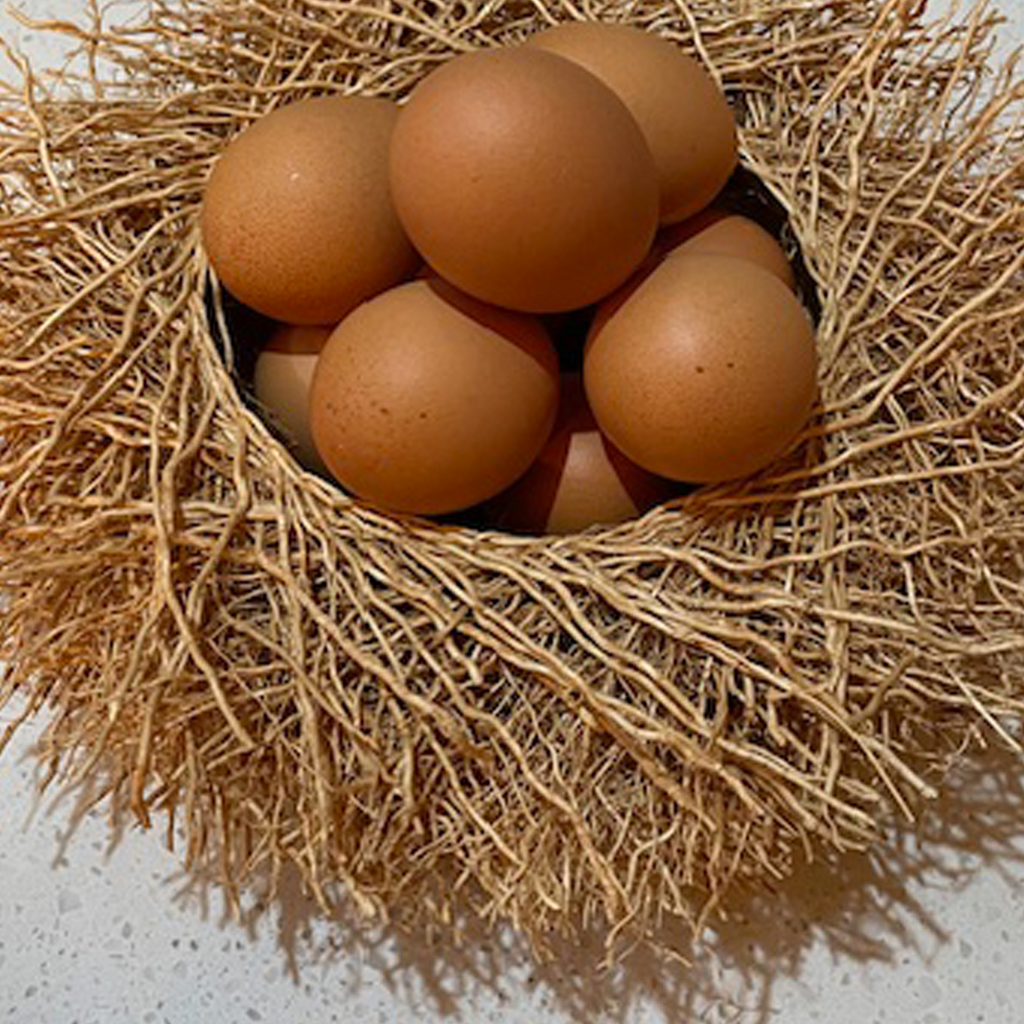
point(929, 930)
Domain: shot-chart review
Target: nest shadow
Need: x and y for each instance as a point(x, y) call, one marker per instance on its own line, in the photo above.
point(861, 908)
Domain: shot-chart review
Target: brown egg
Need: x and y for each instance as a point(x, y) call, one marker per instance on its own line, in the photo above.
point(718, 232)
point(426, 400)
point(682, 113)
point(524, 180)
point(706, 372)
point(578, 480)
point(297, 218)
point(282, 380)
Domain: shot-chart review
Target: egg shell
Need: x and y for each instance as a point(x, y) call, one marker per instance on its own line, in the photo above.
point(712, 232)
point(524, 180)
point(683, 114)
point(297, 218)
point(706, 372)
point(718, 232)
point(426, 400)
point(579, 479)
point(282, 380)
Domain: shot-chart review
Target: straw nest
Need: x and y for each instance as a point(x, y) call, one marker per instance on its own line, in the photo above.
point(605, 728)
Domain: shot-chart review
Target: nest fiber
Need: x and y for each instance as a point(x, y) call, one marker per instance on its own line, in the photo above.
point(608, 728)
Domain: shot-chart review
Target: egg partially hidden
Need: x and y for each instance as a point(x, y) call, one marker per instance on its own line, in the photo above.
point(428, 401)
point(524, 180)
point(705, 372)
point(684, 116)
point(716, 232)
point(282, 380)
point(579, 479)
point(297, 218)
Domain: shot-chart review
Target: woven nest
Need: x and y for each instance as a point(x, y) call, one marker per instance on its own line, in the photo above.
point(610, 727)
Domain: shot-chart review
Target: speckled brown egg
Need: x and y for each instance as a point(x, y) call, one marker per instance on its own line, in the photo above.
point(426, 400)
point(524, 180)
point(297, 218)
point(679, 107)
point(580, 478)
point(282, 380)
point(706, 372)
point(718, 232)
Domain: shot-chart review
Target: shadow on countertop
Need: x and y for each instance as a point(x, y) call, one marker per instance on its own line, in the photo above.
point(861, 908)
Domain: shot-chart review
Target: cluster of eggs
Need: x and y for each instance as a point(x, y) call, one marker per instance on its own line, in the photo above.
point(421, 258)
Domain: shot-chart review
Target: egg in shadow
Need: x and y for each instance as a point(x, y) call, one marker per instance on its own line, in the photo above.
point(579, 480)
